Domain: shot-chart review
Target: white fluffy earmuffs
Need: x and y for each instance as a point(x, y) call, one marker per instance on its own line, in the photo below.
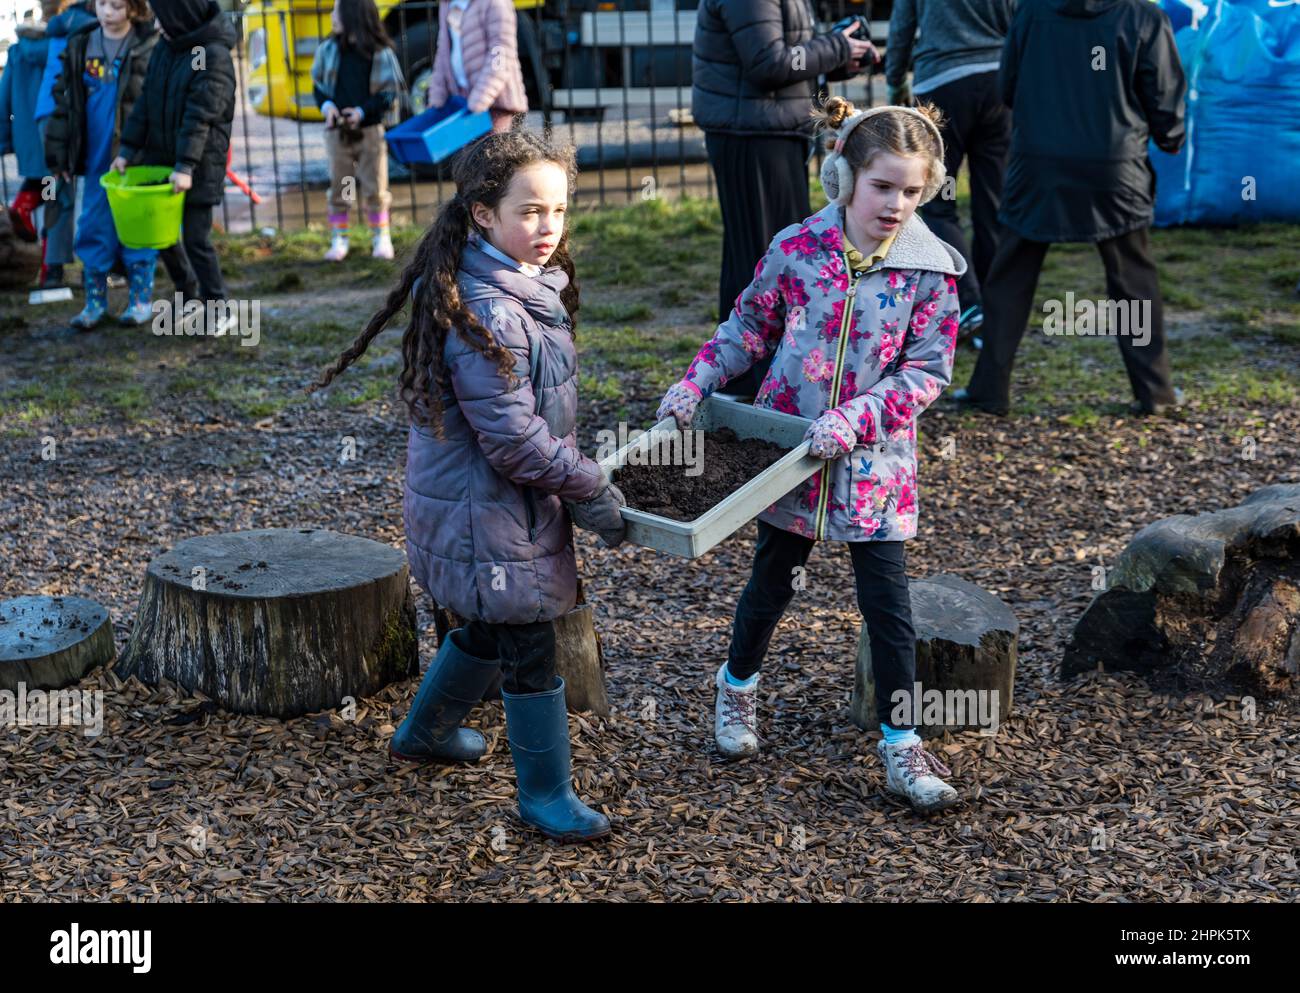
point(837, 174)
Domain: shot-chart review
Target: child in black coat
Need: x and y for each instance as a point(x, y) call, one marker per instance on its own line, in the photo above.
point(185, 123)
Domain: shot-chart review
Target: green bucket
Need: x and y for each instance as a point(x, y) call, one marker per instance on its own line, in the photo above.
point(146, 213)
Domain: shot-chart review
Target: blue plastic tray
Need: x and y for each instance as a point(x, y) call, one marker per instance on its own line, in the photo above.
point(438, 132)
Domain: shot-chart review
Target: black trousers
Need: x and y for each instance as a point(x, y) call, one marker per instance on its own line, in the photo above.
point(1009, 294)
point(762, 187)
point(526, 651)
point(977, 130)
point(192, 263)
point(880, 574)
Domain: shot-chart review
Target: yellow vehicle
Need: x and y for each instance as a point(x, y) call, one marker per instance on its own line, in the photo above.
point(579, 56)
point(281, 36)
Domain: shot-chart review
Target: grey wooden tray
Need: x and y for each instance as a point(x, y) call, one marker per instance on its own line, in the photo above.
point(691, 539)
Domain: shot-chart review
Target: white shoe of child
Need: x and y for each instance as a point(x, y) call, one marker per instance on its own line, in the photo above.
point(735, 725)
point(227, 323)
point(338, 250)
point(381, 245)
point(912, 772)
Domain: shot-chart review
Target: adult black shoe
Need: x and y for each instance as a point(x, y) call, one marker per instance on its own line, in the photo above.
point(1138, 409)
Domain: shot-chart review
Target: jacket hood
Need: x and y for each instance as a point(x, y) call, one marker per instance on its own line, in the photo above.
point(187, 23)
point(481, 276)
point(915, 246)
point(1083, 8)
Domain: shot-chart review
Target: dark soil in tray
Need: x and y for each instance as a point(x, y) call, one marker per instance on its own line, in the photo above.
point(728, 463)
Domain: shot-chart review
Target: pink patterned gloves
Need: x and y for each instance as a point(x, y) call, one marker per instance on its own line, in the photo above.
point(680, 401)
point(832, 436)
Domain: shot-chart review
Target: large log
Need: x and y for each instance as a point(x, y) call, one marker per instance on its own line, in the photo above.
point(579, 659)
point(965, 660)
point(51, 642)
point(1204, 602)
point(279, 622)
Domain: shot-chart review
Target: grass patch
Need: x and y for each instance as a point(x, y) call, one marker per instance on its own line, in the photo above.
point(1232, 288)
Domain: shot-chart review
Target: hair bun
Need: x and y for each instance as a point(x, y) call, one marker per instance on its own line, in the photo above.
point(831, 115)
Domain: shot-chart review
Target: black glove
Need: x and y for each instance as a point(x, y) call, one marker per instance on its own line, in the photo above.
point(601, 515)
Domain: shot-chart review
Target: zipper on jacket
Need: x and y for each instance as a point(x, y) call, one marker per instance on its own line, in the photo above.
point(819, 531)
point(532, 513)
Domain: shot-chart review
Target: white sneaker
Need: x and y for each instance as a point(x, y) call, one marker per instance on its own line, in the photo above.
point(910, 771)
point(338, 250)
point(381, 246)
point(735, 726)
point(227, 323)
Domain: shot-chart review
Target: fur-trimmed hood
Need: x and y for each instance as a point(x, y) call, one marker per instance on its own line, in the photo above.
point(915, 246)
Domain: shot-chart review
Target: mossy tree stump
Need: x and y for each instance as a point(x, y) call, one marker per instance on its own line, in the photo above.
point(1208, 602)
point(279, 622)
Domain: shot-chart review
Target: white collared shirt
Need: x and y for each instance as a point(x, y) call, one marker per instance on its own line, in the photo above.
point(527, 268)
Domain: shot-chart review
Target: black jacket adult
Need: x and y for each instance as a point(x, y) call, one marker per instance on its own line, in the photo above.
point(747, 77)
point(1089, 82)
point(65, 132)
point(184, 119)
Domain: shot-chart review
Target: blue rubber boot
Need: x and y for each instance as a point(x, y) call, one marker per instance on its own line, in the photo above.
point(453, 684)
point(96, 301)
point(139, 309)
point(538, 728)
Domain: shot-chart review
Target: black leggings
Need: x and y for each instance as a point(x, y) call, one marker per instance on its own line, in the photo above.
point(192, 262)
point(526, 651)
point(880, 573)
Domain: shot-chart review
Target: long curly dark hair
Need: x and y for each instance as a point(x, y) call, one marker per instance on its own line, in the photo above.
point(482, 173)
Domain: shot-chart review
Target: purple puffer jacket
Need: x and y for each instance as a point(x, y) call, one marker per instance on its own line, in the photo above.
point(486, 531)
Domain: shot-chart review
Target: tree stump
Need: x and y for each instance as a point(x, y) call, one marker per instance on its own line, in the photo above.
point(1208, 601)
point(279, 622)
point(578, 656)
point(51, 642)
point(965, 661)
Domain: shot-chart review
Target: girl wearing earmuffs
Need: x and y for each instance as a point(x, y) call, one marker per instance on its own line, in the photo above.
point(857, 305)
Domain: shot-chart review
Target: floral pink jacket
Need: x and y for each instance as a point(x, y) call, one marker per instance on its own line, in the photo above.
point(876, 345)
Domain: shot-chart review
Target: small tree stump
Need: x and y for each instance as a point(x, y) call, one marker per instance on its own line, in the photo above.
point(51, 642)
point(278, 622)
point(965, 650)
point(579, 659)
point(1209, 602)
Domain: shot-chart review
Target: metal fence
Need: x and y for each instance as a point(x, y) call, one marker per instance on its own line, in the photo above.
point(614, 77)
